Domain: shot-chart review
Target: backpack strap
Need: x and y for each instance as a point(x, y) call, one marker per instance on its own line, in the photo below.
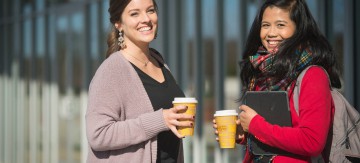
point(298, 86)
point(296, 93)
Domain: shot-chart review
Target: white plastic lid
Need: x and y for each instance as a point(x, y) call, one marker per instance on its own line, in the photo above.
point(225, 113)
point(184, 100)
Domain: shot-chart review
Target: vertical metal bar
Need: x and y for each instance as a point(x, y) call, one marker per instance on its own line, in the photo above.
point(46, 106)
point(19, 136)
point(93, 7)
point(4, 154)
point(2, 91)
point(172, 31)
point(21, 122)
point(182, 48)
point(220, 57)
point(7, 109)
point(243, 33)
point(181, 64)
point(46, 122)
point(7, 120)
point(356, 14)
point(29, 58)
point(244, 19)
point(199, 80)
point(321, 20)
point(161, 42)
point(54, 90)
point(33, 116)
point(185, 67)
point(349, 54)
point(3, 53)
point(68, 86)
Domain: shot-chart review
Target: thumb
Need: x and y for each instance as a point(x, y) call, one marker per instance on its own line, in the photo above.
point(244, 108)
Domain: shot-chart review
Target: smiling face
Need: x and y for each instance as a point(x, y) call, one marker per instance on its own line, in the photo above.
point(276, 26)
point(139, 22)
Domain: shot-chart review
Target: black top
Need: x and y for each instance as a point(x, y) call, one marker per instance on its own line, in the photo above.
point(161, 96)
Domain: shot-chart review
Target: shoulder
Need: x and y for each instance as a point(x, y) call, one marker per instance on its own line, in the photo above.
point(113, 63)
point(316, 78)
point(316, 72)
point(115, 66)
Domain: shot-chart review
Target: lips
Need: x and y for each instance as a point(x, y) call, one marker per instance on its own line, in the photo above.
point(273, 44)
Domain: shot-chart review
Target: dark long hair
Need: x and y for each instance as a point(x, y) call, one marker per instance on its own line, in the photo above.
point(115, 10)
point(306, 34)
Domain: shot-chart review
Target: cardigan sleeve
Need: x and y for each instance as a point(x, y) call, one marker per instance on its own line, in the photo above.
point(104, 125)
point(308, 137)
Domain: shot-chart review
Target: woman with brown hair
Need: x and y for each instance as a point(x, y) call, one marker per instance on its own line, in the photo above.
point(130, 117)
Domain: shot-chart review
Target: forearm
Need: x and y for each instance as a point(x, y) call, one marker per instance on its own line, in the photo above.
point(106, 133)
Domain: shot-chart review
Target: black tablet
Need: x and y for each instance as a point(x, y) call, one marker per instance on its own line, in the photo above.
point(274, 107)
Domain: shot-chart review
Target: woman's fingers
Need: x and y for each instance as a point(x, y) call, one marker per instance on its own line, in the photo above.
point(176, 132)
point(175, 117)
point(179, 108)
point(216, 131)
point(182, 123)
point(179, 113)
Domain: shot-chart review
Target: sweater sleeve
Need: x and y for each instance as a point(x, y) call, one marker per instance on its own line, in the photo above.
point(104, 127)
point(308, 137)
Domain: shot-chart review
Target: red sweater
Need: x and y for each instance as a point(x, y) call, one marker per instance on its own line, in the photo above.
point(308, 135)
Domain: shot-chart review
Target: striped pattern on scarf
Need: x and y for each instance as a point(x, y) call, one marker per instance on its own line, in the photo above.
point(264, 64)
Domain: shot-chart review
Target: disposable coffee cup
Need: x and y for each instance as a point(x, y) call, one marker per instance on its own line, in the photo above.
point(191, 103)
point(226, 126)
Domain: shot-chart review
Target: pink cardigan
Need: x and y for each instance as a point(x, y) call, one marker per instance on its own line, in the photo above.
point(121, 124)
point(307, 137)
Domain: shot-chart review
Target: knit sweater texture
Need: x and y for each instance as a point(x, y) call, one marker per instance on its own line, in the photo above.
point(121, 124)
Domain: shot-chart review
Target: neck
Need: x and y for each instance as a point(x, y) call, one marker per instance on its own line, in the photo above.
point(141, 52)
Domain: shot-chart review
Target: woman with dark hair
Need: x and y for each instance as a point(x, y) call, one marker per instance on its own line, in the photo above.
point(130, 117)
point(284, 40)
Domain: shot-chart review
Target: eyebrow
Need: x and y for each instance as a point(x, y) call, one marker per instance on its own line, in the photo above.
point(278, 21)
point(281, 21)
point(131, 10)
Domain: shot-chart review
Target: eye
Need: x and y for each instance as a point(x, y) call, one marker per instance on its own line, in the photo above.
point(134, 14)
point(152, 10)
point(265, 25)
point(280, 25)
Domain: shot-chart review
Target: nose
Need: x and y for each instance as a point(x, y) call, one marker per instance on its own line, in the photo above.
point(145, 17)
point(272, 32)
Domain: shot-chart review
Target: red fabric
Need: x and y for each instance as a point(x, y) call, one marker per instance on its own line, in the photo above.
point(308, 135)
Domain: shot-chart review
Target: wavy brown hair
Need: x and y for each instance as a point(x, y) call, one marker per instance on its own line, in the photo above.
point(115, 10)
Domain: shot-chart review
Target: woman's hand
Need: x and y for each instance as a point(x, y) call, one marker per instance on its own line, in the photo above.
point(246, 115)
point(171, 117)
point(216, 131)
point(239, 131)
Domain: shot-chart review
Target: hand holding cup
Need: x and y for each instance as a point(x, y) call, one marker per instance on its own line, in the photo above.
point(225, 125)
point(190, 103)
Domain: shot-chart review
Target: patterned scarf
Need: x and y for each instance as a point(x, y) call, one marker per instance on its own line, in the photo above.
point(263, 60)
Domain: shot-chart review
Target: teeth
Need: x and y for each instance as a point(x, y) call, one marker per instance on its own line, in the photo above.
point(273, 42)
point(144, 29)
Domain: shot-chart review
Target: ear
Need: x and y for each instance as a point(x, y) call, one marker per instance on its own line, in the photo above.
point(118, 26)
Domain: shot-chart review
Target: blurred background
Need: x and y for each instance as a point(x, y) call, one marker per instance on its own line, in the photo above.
point(50, 49)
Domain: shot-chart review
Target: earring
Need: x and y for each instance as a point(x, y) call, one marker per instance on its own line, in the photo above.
point(121, 39)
